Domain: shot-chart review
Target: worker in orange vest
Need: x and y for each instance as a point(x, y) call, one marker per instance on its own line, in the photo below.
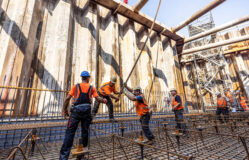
point(178, 109)
point(222, 107)
point(229, 95)
point(142, 109)
point(105, 91)
point(242, 100)
point(82, 94)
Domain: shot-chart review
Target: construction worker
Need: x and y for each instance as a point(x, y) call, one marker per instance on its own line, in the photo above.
point(142, 110)
point(229, 95)
point(106, 91)
point(222, 107)
point(80, 112)
point(241, 100)
point(177, 108)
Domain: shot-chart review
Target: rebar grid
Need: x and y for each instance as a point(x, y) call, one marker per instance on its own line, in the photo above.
point(207, 138)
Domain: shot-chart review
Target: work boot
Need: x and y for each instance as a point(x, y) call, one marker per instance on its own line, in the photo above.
point(149, 142)
point(153, 137)
point(112, 120)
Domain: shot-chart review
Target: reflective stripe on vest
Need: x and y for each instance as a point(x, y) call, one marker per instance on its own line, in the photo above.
point(140, 106)
point(242, 101)
point(101, 90)
point(174, 102)
point(221, 103)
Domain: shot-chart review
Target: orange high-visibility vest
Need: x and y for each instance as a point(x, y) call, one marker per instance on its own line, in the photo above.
point(106, 89)
point(242, 101)
point(222, 102)
point(174, 102)
point(141, 107)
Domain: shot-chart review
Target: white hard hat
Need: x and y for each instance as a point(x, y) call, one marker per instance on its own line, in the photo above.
point(237, 91)
point(137, 88)
point(172, 89)
point(113, 79)
point(217, 93)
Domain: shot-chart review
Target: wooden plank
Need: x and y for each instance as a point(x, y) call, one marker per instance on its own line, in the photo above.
point(139, 17)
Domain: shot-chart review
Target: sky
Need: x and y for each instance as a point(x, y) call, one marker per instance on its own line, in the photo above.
point(173, 12)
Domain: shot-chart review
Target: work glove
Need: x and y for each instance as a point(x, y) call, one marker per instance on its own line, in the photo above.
point(105, 101)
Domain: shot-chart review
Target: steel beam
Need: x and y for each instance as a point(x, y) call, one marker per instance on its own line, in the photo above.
point(198, 14)
point(217, 29)
point(213, 45)
point(139, 5)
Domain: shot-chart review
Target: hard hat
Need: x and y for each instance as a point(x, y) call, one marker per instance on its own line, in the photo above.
point(172, 89)
point(137, 88)
point(217, 93)
point(85, 74)
point(237, 91)
point(113, 79)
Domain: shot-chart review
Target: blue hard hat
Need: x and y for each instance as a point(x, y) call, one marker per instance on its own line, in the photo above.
point(85, 74)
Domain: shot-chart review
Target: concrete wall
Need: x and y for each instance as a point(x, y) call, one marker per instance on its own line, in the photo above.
point(46, 44)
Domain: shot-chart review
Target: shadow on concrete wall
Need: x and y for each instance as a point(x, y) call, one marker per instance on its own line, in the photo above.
point(21, 42)
point(104, 22)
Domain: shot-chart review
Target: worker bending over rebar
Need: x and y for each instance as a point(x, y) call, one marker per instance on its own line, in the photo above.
point(222, 107)
point(177, 108)
point(82, 94)
point(105, 91)
point(142, 110)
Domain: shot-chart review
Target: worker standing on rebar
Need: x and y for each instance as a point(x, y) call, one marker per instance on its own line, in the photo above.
point(106, 91)
point(177, 108)
point(242, 101)
point(80, 112)
point(142, 110)
point(222, 107)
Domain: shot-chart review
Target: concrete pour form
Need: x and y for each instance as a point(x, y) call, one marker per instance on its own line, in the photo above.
point(46, 44)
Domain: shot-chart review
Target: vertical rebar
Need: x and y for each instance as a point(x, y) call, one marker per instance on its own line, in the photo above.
point(166, 136)
point(113, 147)
point(243, 141)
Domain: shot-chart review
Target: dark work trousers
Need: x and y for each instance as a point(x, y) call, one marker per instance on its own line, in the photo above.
point(145, 120)
point(223, 111)
point(72, 126)
point(109, 106)
point(179, 120)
